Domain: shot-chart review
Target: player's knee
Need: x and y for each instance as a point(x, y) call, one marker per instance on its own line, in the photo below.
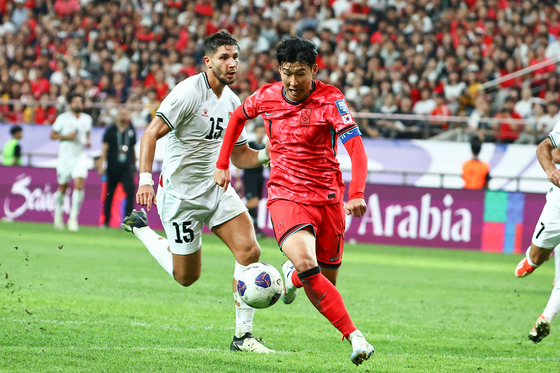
point(186, 279)
point(250, 254)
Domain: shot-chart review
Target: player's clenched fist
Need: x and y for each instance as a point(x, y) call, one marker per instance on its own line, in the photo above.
point(554, 177)
point(146, 196)
point(222, 178)
point(355, 207)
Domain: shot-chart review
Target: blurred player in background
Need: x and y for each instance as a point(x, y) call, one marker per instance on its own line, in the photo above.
point(546, 236)
point(303, 119)
point(11, 152)
point(73, 129)
point(253, 179)
point(195, 115)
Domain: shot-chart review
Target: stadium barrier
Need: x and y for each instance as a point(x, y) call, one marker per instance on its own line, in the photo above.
point(494, 221)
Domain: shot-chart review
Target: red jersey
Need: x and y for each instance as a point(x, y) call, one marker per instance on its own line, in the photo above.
point(303, 141)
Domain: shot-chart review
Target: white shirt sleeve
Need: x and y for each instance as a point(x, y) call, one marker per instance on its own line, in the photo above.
point(554, 137)
point(177, 105)
point(58, 124)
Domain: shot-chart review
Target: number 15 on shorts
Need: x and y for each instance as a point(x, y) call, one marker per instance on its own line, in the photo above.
point(187, 236)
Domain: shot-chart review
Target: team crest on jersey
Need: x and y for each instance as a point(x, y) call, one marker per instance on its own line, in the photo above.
point(205, 113)
point(305, 116)
point(342, 107)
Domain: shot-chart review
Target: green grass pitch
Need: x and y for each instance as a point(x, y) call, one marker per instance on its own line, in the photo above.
point(96, 301)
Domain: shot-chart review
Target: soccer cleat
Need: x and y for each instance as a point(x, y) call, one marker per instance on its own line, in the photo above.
point(362, 349)
point(58, 221)
point(524, 268)
point(73, 224)
point(289, 292)
point(136, 219)
point(540, 330)
point(248, 343)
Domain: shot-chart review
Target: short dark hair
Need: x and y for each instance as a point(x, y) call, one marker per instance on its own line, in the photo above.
point(296, 49)
point(72, 96)
point(215, 41)
point(15, 129)
point(476, 145)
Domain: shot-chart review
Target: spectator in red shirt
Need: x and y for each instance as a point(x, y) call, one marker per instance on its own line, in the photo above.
point(45, 113)
point(66, 7)
point(441, 109)
point(504, 131)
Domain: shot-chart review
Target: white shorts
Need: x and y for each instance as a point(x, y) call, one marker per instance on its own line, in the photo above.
point(72, 168)
point(547, 231)
point(183, 220)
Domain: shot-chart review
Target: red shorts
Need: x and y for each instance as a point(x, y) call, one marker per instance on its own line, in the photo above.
point(328, 224)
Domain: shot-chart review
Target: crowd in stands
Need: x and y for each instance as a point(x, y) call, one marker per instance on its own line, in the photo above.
point(387, 56)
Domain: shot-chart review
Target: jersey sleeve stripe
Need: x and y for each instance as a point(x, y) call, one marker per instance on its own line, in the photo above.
point(243, 142)
point(346, 129)
point(553, 142)
point(244, 112)
point(158, 114)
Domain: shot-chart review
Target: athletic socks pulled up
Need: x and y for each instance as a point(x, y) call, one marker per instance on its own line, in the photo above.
point(326, 298)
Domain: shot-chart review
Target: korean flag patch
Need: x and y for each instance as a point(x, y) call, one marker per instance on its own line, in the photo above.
point(347, 118)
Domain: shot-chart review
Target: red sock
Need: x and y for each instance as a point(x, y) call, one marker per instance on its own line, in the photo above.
point(326, 298)
point(295, 280)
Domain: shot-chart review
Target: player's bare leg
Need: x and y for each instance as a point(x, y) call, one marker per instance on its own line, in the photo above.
point(187, 268)
point(77, 199)
point(330, 274)
point(58, 214)
point(300, 249)
point(238, 234)
point(534, 257)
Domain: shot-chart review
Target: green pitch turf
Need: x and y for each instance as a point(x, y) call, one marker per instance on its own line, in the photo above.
point(96, 301)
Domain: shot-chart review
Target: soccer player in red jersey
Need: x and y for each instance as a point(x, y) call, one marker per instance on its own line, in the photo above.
point(303, 119)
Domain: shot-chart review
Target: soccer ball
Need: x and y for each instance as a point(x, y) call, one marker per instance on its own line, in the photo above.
point(259, 285)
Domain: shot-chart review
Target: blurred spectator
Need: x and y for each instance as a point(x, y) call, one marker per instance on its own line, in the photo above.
point(11, 152)
point(507, 131)
point(413, 49)
point(408, 129)
point(426, 104)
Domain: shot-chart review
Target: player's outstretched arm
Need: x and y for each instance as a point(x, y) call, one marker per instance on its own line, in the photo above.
point(244, 157)
point(236, 122)
point(544, 155)
point(155, 131)
point(356, 205)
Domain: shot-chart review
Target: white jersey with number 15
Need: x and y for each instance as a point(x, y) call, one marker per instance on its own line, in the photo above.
point(197, 119)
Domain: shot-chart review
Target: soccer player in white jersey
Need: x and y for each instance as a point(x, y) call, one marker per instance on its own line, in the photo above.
point(546, 236)
point(73, 129)
point(194, 116)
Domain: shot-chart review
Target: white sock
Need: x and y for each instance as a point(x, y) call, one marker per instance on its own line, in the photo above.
point(77, 199)
point(243, 313)
point(59, 203)
point(157, 246)
point(527, 253)
point(557, 264)
point(553, 305)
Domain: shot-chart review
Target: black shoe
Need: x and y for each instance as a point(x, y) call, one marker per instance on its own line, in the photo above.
point(136, 219)
point(248, 343)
